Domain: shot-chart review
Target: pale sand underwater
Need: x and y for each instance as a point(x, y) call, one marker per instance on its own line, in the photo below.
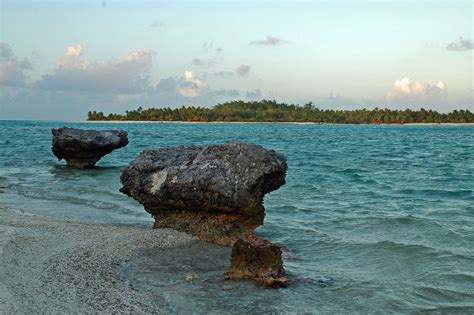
point(53, 266)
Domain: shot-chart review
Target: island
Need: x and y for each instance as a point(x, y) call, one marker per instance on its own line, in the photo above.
point(272, 111)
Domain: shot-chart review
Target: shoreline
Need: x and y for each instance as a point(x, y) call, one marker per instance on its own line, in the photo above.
point(253, 123)
point(68, 266)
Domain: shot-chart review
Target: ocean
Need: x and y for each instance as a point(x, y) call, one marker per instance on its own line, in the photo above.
point(376, 219)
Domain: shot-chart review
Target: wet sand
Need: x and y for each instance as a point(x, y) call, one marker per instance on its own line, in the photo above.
point(54, 266)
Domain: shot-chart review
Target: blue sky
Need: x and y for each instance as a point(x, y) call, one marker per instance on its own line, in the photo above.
point(60, 59)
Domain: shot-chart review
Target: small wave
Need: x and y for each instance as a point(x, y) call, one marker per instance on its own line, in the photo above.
point(459, 277)
point(438, 193)
point(447, 310)
point(411, 249)
point(350, 170)
point(322, 282)
point(435, 294)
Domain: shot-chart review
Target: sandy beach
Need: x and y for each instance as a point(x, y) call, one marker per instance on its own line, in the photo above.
point(53, 266)
point(254, 123)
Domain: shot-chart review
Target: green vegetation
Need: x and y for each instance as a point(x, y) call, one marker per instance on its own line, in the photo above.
point(271, 111)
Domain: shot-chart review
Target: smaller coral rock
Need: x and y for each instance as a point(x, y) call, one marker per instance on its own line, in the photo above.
point(83, 148)
point(259, 260)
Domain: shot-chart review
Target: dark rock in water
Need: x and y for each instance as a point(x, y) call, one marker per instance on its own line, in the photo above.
point(259, 260)
point(214, 192)
point(83, 148)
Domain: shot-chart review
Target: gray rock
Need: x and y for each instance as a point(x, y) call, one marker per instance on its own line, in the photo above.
point(83, 148)
point(214, 192)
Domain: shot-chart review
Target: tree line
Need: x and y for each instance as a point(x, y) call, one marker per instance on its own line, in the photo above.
point(272, 111)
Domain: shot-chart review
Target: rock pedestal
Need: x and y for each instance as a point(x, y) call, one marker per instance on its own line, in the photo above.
point(214, 192)
point(259, 260)
point(83, 148)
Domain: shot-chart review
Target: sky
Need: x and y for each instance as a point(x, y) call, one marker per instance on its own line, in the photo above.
point(60, 59)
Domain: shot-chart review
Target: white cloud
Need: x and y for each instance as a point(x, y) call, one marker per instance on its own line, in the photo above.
point(128, 74)
point(191, 85)
point(71, 59)
point(460, 44)
point(408, 90)
point(12, 69)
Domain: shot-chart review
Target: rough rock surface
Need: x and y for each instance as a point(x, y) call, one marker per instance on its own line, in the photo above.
point(214, 192)
point(83, 148)
point(259, 260)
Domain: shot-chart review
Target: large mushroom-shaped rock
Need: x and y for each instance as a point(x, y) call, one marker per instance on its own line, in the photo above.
point(214, 192)
point(83, 148)
point(259, 260)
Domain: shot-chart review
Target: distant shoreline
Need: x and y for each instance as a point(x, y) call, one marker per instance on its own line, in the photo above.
point(255, 123)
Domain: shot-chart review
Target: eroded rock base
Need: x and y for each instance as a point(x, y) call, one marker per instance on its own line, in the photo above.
point(217, 228)
point(82, 163)
point(259, 260)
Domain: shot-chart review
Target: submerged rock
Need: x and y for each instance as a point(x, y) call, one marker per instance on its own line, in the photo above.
point(259, 260)
point(214, 192)
point(83, 148)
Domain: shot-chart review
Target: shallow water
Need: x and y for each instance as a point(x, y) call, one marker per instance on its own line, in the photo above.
point(376, 218)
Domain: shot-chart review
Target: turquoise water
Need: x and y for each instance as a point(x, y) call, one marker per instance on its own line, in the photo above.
point(376, 218)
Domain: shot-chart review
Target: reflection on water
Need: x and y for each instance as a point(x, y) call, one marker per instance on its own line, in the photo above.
point(376, 218)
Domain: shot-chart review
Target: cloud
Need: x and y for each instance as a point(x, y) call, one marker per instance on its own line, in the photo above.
point(210, 62)
point(243, 70)
point(157, 24)
point(460, 44)
point(268, 41)
point(191, 85)
point(224, 73)
point(256, 94)
point(71, 58)
point(126, 98)
point(128, 74)
point(167, 85)
point(226, 93)
point(12, 69)
point(77, 84)
point(6, 53)
point(30, 103)
point(410, 91)
point(208, 47)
